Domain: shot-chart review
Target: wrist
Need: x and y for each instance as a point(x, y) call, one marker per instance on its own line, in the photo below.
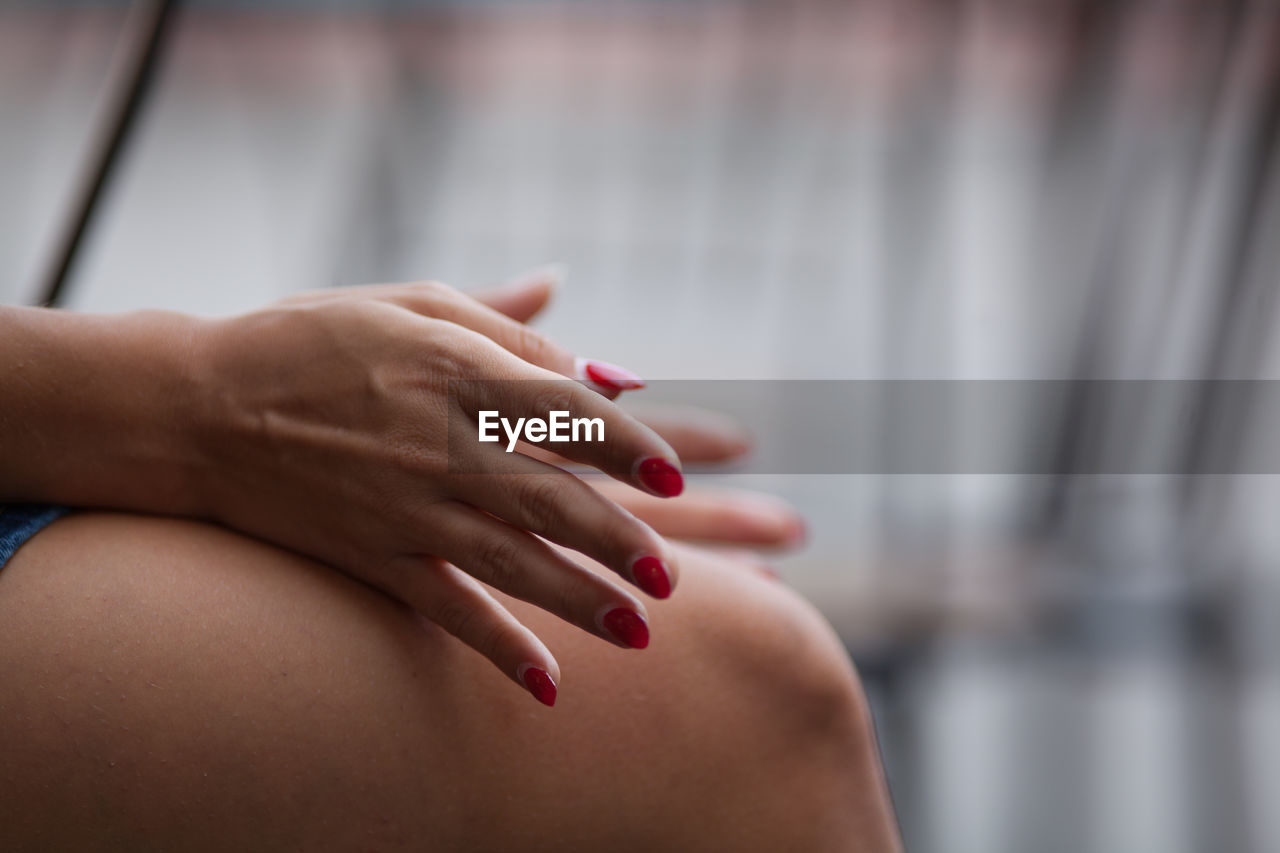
point(98, 410)
point(149, 407)
point(168, 355)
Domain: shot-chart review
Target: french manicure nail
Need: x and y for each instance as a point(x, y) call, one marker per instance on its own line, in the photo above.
point(661, 477)
point(627, 626)
point(652, 576)
point(539, 683)
point(608, 376)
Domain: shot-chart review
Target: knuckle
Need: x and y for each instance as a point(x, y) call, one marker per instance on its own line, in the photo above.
point(494, 639)
point(434, 289)
point(573, 599)
point(554, 397)
point(446, 351)
point(533, 346)
point(540, 501)
point(452, 615)
point(500, 557)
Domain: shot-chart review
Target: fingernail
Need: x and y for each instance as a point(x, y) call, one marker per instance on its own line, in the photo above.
point(627, 626)
point(661, 477)
point(553, 275)
point(769, 518)
point(797, 532)
point(651, 576)
point(608, 376)
point(740, 444)
point(539, 683)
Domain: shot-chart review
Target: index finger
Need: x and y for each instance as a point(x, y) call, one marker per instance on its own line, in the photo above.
point(444, 303)
point(578, 424)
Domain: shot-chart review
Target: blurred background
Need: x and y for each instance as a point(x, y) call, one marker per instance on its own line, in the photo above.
point(795, 190)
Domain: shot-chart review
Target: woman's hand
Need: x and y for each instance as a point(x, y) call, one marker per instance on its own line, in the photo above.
point(712, 516)
point(325, 426)
point(323, 423)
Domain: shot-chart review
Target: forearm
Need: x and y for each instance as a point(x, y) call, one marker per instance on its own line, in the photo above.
point(95, 410)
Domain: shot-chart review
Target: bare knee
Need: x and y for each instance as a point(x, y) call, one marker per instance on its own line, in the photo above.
point(239, 688)
point(804, 772)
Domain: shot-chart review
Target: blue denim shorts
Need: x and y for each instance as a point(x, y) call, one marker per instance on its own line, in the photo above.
point(19, 522)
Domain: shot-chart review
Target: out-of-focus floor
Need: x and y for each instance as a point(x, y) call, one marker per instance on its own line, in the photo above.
point(798, 190)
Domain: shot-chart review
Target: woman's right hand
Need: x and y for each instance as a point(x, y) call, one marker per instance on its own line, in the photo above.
point(324, 425)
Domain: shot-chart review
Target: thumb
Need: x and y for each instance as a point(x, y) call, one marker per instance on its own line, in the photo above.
point(523, 297)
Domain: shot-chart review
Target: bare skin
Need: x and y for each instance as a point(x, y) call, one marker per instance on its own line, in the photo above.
point(325, 424)
point(169, 685)
point(293, 665)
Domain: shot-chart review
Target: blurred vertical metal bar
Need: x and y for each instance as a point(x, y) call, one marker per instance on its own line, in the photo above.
point(1082, 110)
point(395, 174)
point(1242, 327)
point(127, 86)
point(1243, 319)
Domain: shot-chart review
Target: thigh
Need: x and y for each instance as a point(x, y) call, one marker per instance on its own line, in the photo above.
point(172, 683)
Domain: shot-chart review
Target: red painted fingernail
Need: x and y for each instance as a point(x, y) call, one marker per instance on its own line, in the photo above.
point(651, 576)
point(539, 683)
point(611, 376)
point(661, 477)
point(628, 626)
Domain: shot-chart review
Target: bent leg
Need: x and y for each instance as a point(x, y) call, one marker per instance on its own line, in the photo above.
point(168, 684)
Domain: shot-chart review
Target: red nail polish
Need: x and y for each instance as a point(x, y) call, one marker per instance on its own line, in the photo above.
point(651, 576)
point(539, 683)
point(628, 626)
point(661, 477)
point(611, 376)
